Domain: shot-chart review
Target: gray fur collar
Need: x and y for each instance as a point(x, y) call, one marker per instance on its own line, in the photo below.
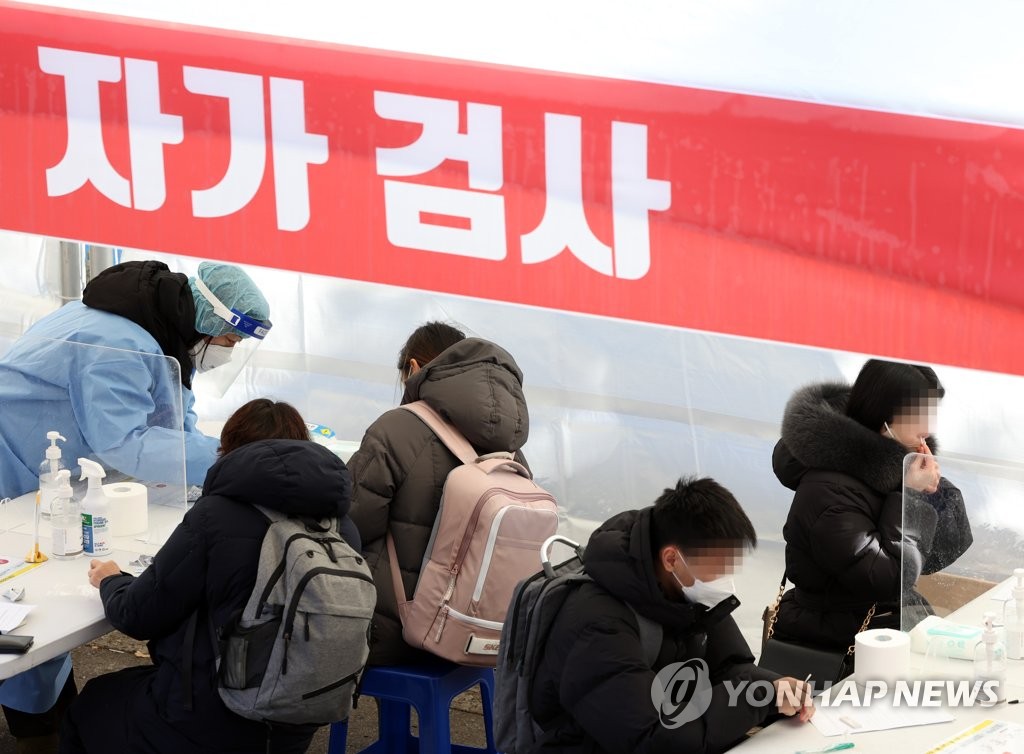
point(819, 435)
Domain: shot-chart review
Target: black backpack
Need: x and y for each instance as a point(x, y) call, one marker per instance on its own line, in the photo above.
point(536, 602)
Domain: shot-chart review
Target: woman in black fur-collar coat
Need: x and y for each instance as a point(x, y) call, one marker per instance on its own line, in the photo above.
point(848, 544)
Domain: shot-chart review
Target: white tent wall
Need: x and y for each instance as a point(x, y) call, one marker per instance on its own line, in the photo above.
point(619, 410)
point(30, 286)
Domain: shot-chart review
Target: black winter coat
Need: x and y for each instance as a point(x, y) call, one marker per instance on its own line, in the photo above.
point(846, 535)
point(592, 691)
point(401, 467)
point(209, 564)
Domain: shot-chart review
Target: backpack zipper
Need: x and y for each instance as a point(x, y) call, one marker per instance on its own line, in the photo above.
point(478, 622)
point(332, 686)
point(293, 606)
point(474, 519)
point(279, 571)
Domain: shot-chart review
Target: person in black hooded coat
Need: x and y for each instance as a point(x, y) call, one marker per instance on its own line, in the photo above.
point(849, 543)
point(592, 690)
point(208, 565)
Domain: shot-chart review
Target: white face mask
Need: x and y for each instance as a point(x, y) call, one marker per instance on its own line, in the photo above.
point(917, 444)
point(704, 592)
point(207, 356)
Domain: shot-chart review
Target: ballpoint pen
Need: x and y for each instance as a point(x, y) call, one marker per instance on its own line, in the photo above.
point(833, 747)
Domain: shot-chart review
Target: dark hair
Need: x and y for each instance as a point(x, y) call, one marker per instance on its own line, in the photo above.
point(426, 343)
point(262, 419)
point(884, 389)
point(700, 513)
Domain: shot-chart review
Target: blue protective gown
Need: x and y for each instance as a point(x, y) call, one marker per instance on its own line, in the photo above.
point(109, 401)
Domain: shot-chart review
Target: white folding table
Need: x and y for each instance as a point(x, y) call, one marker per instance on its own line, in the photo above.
point(68, 611)
point(790, 735)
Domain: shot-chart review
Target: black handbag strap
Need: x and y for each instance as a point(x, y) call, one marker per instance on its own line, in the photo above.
point(773, 616)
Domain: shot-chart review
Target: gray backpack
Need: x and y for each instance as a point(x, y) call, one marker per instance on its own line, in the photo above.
point(297, 650)
point(534, 607)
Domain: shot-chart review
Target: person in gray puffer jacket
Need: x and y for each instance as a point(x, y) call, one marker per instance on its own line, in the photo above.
point(400, 468)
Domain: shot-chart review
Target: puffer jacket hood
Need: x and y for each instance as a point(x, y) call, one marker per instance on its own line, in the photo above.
point(478, 387)
point(154, 298)
point(294, 477)
point(817, 434)
point(619, 557)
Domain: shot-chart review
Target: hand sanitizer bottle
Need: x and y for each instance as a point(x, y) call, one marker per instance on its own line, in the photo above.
point(95, 511)
point(48, 473)
point(66, 520)
point(1013, 618)
point(990, 663)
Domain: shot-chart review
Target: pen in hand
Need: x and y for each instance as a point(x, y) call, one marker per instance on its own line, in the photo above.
point(805, 715)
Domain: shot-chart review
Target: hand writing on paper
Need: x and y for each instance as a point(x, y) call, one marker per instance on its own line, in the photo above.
point(100, 569)
point(923, 474)
point(793, 696)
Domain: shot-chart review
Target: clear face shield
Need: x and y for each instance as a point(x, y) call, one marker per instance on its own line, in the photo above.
point(218, 366)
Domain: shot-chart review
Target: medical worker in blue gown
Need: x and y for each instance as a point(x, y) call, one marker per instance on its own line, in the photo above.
point(111, 404)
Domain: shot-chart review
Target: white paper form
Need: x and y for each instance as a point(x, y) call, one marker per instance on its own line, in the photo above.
point(987, 737)
point(13, 615)
point(880, 715)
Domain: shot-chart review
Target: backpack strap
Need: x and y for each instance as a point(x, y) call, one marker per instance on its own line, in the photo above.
point(651, 636)
point(396, 572)
point(187, 651)
point(188, 645)
point(445, 431)
point(270, 514)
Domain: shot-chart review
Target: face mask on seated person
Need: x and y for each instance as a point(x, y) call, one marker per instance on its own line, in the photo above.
point(702, 592)
point(207, 356)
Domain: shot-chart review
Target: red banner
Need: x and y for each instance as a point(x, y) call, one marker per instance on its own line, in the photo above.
point(806, 223)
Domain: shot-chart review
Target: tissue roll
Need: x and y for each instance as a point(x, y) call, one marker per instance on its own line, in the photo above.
point(882, 654)
point(129, 508)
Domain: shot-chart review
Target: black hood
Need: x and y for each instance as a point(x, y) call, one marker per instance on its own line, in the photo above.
point(817, 434)
point(620, 558)
point(294, 477)
point(478, 387)
point(154, 298)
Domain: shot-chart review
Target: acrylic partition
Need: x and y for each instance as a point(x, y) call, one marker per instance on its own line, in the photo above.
point(961, 541)
point(123, 409)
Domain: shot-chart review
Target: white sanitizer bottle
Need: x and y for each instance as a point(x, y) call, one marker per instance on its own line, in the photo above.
point(95, 511)
point(990, 663)
point(66, 520)
point(48, 473)
point(1013, 618)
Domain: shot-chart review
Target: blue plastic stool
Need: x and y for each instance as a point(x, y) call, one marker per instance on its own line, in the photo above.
point(430, 689)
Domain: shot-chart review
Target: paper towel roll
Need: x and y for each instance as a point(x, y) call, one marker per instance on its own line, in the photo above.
point(129, 508)
point(882, 654)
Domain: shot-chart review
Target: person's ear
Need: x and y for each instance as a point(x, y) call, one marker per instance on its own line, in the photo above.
point(414, 366)
point(669, 557)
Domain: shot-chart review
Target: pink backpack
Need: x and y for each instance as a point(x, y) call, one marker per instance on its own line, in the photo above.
point(486, 539)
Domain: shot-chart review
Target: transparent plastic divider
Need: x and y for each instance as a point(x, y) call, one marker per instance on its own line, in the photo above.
point(120, 408)
point(960, 546)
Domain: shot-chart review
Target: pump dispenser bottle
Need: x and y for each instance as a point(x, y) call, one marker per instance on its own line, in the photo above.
point(66, 520)
point(48, 473)
point(990, 660)
point(1013, 618)
point(95, 511)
